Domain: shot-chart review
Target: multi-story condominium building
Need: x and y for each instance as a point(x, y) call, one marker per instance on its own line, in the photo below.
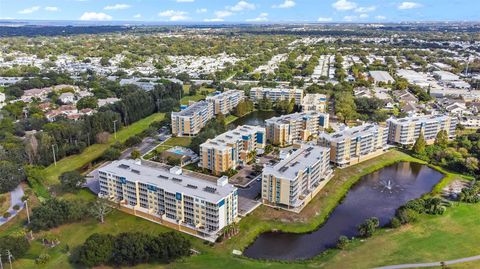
point(294, 181)
point(226, 101)
point(276, 94)
point(405, 131)
point(354, 145)
point(314, 102)
point(286, 129)
point(192, 119)
point(232, 148)
point(169, 197)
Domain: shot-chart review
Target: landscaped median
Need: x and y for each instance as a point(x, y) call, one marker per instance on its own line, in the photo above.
point(93, 152)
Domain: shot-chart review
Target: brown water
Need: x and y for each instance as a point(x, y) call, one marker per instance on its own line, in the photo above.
point(377, 194)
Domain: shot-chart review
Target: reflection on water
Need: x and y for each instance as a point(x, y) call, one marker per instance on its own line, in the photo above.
point(256, 118)
point(370, 197)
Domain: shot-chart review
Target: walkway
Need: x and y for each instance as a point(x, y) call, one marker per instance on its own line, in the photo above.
point(16, 199)
point(431, 264)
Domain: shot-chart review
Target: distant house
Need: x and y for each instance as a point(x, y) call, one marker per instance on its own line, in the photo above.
point(381, 76)
point(67, 98)
point(2, 99)
point(107, 101)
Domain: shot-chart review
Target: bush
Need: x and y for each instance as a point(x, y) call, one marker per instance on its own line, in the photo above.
point(42, 259)
point(71, 181)
point(16, 207)
point(133, 141)
point(7, 215)
point(18, 246)
point(54, 213)
point(406, 215)
point(367, 228)
point(342, 242)
point(395, 222)
point(111, 154)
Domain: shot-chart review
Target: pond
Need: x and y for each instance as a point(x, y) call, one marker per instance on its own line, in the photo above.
point(377, 194)
point(256, 118)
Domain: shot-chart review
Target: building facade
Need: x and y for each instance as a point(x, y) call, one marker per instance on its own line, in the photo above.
point(286, 129)
point(192, 119)
point(198, 207)
point(276, 94)
point(405, 131)
point(226, 101)
point(354, 145)
point(294, 181)
point(232, 148)
point(314, 102)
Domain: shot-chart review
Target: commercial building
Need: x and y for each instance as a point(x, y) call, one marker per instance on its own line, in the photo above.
point(231, 149)
point(405, 131)
point(294, 181)
point(314, 102)
point(226, 101)
point(286, 129)
point(183, 202)
point(381, 76)
point(192, 119)
point(471, 121)
point(354, 145)
point(276, 94)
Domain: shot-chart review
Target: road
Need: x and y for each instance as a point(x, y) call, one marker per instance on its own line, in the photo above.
point(430, 264)
point(145, 146)
point(16, 199)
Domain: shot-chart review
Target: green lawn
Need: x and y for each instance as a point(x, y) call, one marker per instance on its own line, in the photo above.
point(230, 118)
point(91, 153)
point(178, 141)
point(185, 99)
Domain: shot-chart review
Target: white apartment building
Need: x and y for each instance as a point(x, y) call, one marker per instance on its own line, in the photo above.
point(192, 119)
point(356, 144)
point(294, 181)
point(314, 102)
point(170, 197)
point(405, 131)
point(226, 101)
point(286, 129)
point(276, 94)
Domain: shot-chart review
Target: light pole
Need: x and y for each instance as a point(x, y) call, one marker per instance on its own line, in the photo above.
point(54, 157)
point(115, 128)
point(28, 213)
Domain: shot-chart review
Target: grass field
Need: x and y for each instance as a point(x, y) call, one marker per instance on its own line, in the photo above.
point(4, 202)
point(433, 238)
point(230, 118)
point(195, 98)
point(91, 153)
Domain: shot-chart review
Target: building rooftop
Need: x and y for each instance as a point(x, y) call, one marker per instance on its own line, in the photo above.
point(171, 180)
point(304, 157)
point(225, 94)
point(351, 133)
point(232, 136)
point(417, 118)
point(284, 119)
point(381, 76)
point(286, 90)
point(314, 98)
point(192, 109)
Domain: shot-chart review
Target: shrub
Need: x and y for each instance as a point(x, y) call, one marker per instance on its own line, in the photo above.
point(406, 215)
point(54, 213)
point(42, 259)
point(7, 215)
point(395, 222)
point(342, 242)
point(133, 141)
point(367, 228)
point(71, 181)
point(18, 246)
point(16, 207)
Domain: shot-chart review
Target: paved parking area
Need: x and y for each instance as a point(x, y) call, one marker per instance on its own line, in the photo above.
point(249, 197)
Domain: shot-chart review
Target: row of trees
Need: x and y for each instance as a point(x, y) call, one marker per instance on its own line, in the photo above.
point(129, 249)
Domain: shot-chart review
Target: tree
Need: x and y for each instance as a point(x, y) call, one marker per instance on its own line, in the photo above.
point(11, 174)
point(87, 102)
point(367, 228)
point(71, 181)
point(18, 246)
point(419, 146)
point(342, 242)
point(54, 212)
point(111, 154)
point(345, 107)
point(96, 250)
point(100, 209)
point(442, 139)
point(135, 154)
point(133, 141)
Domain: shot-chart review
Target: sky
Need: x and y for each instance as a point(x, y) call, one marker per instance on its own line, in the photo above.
point(235, 11)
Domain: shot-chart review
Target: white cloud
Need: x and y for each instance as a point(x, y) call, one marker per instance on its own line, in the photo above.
point(213, 20)
point(350, 18)
point(117, 7)
point(185, 1)
point(94, 16)
point(52, 9)
point(365, 9)
point(174, 15)
point(344, 5)
point(201, 10)
point(380, 17)
point(363, 16)
point(261, 18)
point(137, 16)
point(286, 4)
point(409, 5)
point(324, 19)
point(29, 10)
point(241, 6)
point(223, 13)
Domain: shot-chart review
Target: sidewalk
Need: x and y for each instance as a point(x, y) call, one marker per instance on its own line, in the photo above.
point(16, 199)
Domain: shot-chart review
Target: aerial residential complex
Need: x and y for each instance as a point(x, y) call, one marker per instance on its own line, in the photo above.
point(231, 149)
point(286, 129)
point(276, 94)
point(184, 202)
point(354, 145)
point(191, 120)
point(294, 181)
point(405, 131)
point(314, 102)
point(226, 101)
